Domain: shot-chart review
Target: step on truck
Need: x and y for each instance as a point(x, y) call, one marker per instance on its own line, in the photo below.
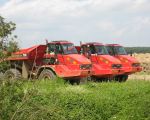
point(104, 66)
point(56, 58)
point(130, 64)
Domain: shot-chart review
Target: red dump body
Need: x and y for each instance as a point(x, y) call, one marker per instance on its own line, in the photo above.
point(103, 65)
point(71, 65)
point(130, 64)
point(35, 52)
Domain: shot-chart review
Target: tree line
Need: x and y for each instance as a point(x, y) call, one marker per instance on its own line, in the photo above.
point(137, 49)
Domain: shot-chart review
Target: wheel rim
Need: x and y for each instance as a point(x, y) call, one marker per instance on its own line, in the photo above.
point(46, 77)
point(10, 76)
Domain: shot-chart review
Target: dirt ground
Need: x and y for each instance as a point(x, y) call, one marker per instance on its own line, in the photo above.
point(139, 77)
point(144, 59)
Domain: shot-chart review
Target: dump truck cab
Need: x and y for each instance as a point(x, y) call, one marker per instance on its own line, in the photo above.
point(57, 58)
point(103, 65)
point(130, 64)
point(64, 58)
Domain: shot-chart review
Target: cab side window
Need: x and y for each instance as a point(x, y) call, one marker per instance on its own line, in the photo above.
point(83, 49)
point(51, 48)
point(59, 49)
point(92, 49)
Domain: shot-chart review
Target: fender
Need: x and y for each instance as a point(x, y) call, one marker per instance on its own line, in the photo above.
point(40, 69)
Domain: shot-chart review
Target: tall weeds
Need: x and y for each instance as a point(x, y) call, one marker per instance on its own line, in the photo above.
point(56, 100)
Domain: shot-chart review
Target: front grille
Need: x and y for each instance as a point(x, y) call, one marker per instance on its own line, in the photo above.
point(85, 66)
point(135, 64)
point(116, 66)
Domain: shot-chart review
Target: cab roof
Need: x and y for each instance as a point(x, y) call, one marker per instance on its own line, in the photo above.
point(93, 43)
point(112, 45)
point(60, 42)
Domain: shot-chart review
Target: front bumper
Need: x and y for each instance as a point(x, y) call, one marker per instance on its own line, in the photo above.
point(72, 72)
point(117, 72)
point(76, 74)
point(131, 70)
point(99, 71)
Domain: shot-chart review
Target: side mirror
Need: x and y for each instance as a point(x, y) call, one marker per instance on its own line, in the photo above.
point(131, 53)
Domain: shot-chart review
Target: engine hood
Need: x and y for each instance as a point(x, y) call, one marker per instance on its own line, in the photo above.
point(128, 58)
point(110, 58)
point(78, 58)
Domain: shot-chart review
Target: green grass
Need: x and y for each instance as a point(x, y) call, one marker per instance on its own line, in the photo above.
point(56, 100)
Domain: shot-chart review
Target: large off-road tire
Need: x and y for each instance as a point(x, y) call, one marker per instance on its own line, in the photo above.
point(121, 78)
point(96, 79)
point(12, 74)
point(47, 74)
point(78, 81)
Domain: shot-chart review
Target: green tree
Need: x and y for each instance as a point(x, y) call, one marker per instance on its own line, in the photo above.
point(8, 43)
point(6, 29)
point(7, 39)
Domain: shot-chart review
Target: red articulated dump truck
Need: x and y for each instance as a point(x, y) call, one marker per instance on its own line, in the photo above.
point(57, 58)
point(104, 66)
point(130, 64)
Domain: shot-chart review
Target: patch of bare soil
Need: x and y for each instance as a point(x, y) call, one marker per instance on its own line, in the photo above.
point(139, 77)
point(144, 59)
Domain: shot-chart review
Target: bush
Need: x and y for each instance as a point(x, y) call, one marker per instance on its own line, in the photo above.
point(58, 100)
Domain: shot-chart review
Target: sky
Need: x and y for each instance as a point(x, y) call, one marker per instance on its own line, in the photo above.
point(125, 22)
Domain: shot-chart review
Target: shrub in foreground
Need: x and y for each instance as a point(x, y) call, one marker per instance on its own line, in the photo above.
point(56, 100)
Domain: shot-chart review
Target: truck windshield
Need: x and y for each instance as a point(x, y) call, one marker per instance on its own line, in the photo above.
point(101, 50)
point(119, 50)
point(69, 49)
point(116, 50)
point(110, 50)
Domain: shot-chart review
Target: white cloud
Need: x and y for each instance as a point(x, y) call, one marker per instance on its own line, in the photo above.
point(38, 7)
point(141, 5)
point(78, 19)
point(106, 26)
point(53, 8)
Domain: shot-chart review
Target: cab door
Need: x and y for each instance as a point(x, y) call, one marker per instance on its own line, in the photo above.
point(94, 56)
point(59, 53)
point(49, 56)
point(84, 51)
point(89, 52)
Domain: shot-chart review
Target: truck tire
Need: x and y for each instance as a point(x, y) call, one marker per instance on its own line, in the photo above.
point(12, 74)
point(125, 77)
point(78, 81)
point(47, 74)
point(121, 78)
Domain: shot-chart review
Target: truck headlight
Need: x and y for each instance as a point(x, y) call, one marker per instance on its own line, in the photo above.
point(135, 64)
point(85, 66)
point(116, 66)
